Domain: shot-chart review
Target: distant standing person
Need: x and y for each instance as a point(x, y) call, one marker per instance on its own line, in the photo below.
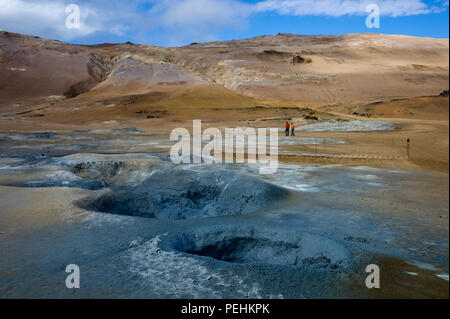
point(408, 146)
point(287, 128)
point(292, 129)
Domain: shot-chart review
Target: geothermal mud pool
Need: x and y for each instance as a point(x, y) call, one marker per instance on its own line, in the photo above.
point(140, 226)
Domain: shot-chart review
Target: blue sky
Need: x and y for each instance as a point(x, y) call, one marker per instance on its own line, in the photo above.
point(180, 22)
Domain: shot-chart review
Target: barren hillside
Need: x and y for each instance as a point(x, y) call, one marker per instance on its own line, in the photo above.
point(287, 67)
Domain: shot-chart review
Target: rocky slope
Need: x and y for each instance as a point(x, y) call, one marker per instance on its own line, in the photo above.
point(308, 69)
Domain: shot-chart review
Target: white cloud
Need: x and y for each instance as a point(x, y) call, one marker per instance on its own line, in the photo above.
point(336, 8)
point(47, 18)
point(199, 19)
point(201, 13)
point(178, 20)
point(20, 16)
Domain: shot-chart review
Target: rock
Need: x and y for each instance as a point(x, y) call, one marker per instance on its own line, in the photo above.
point(300, 60)
point(311, 118)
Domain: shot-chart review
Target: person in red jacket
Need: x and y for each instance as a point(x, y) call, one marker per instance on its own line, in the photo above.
point(287, 128)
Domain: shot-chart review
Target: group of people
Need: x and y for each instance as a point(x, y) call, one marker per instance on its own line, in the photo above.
point(290, 126)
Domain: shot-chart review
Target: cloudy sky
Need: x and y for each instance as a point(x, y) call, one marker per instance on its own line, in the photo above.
point(180, 22)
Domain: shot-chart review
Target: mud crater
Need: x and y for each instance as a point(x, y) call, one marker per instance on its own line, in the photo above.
point(183, 194)
point(251, 245)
